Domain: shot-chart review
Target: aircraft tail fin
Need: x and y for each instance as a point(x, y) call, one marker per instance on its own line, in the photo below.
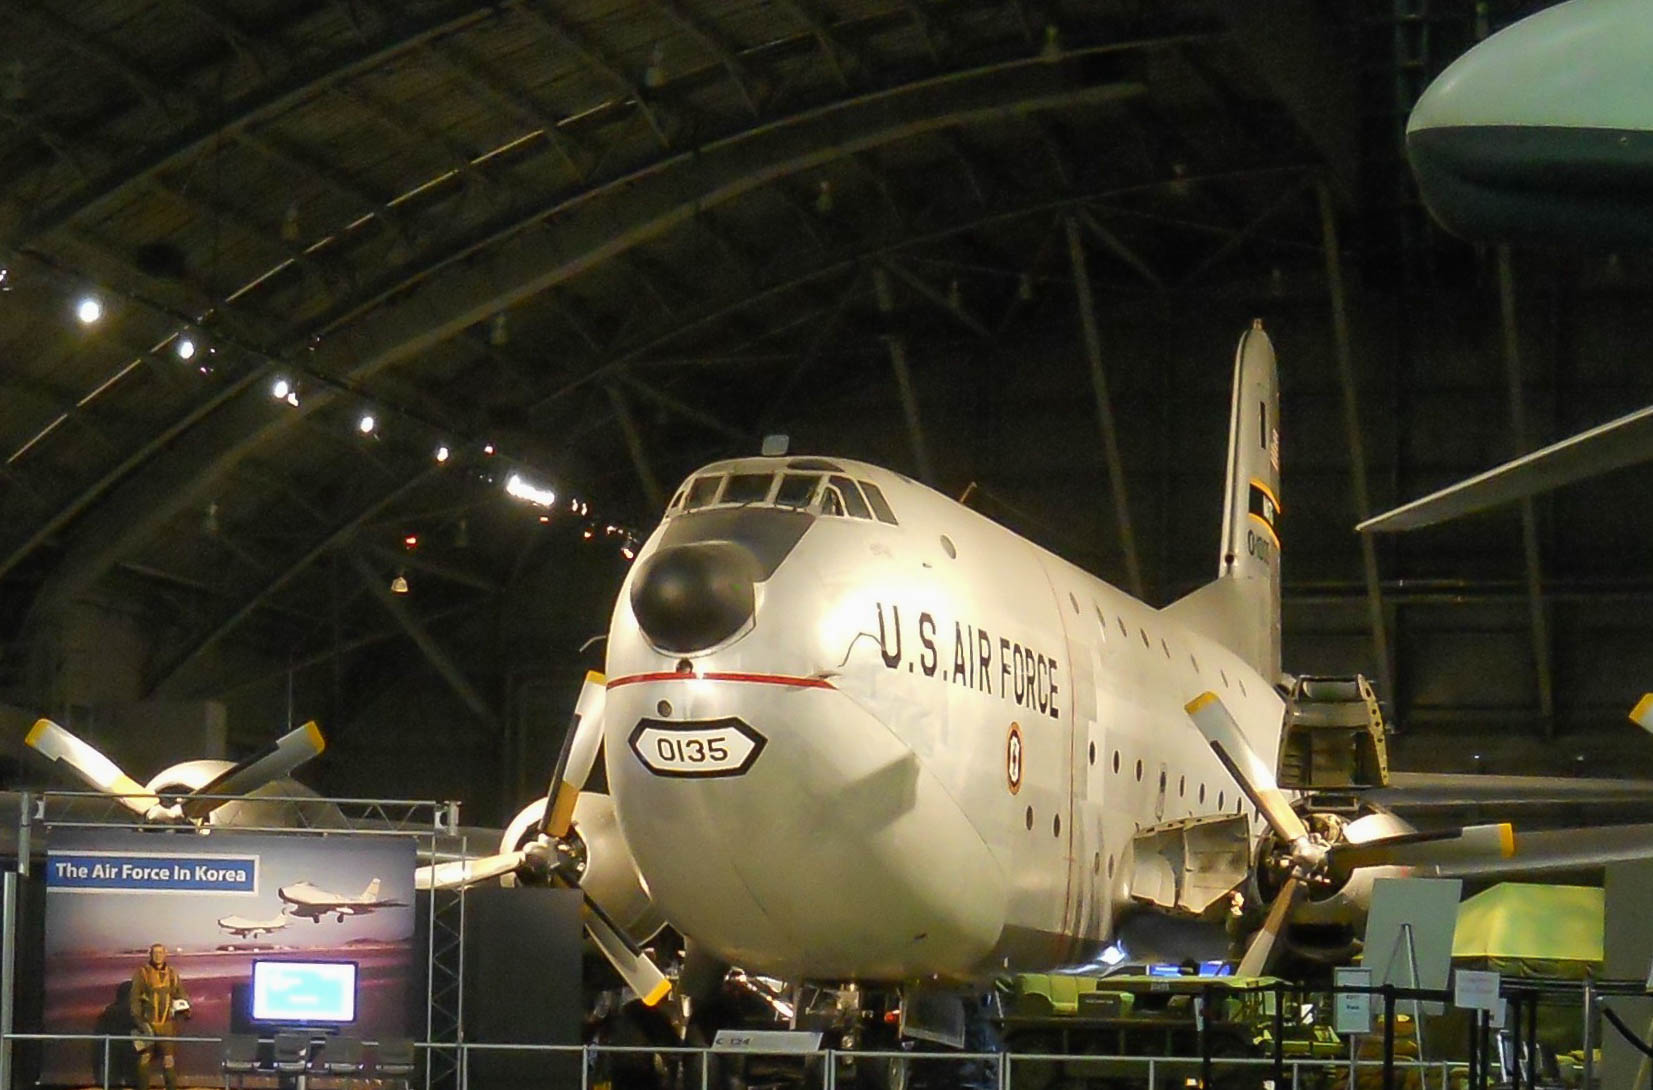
point(371, 893)
point(1241, 607)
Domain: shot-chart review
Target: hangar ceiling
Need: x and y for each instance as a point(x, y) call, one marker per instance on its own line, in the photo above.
point(611, 241)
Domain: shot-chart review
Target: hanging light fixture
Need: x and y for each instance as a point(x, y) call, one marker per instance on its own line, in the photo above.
point(399, 585)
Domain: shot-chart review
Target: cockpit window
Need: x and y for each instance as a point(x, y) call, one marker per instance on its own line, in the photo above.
point(879, 506)
point(831, 502)
point(853, 503)
point(747, 488)
point(677, 501)
point(702, 492)
point(796, 490)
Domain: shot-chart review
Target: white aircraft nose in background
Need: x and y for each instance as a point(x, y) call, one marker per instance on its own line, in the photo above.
point(1543, 133)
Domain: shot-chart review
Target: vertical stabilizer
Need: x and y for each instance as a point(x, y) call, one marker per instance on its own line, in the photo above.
point(1241, 609)
point(371, 893)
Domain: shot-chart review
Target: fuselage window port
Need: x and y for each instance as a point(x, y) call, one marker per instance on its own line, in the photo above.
point(1101, 621)
point(1030, 819)
point(1182, 786)
point(1096, 864)
point(880, 507)
point(1202, 794)
point(1224, 674)
point(1123, 631)
point(1110, 866)
point(702, 492)
point(1219, 800)
point(1116, 761)
point(1241, 680)
point(1139, 771)
point(948, 547)
point(1163, 646)
point(1093, 752)
point(1056, 825)
point(1145, 642)
point(853, 503)
point(1195, 663)
point(1074, 600)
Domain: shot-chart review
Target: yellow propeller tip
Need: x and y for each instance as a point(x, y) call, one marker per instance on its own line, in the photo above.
point(36, 732)
point(595, 677)
point(1506, 839)
point(1642, 713)
point(1199, 702)
point(659, 992)
point(313, 733)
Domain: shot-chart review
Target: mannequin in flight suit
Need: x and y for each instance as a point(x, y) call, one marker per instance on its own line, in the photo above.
point(155, 988)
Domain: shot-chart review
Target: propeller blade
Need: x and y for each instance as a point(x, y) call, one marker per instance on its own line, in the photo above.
point(272, 763)
point(1581, 848)
point(86, 762)
point(1642, 713)
point(456, 873)
point(1254, 777)
point(1260, 954)
point(627, 957)
point(1428, 851)
point(1613, 445)
point(579, 754)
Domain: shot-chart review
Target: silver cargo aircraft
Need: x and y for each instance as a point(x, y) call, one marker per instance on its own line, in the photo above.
point(854, 731)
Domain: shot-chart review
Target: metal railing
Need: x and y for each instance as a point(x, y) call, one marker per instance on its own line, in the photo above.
point(823, 1068)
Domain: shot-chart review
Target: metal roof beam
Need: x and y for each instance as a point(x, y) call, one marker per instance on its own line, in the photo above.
point(302, 83)
point(490, 85)
point(595, 56)
point(445, 667)
point(630, 210)
point(332, 538)
point(941, 300)
point(1112, 243)
point(710, 37)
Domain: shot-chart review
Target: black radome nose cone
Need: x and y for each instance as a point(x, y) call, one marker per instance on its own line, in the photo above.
point(691, 597)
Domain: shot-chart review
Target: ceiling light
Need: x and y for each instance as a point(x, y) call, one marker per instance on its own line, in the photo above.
point(292, 398)
point(280, 388)
point(366, 424)
point(443, 453)
point(626, 551)
point(399, 585)
point(185, 347)
point(289, 223)
point(654, 76)
point(516, 487)
point(5, 279)
point(823, 197)
point(89, 309)
point(487, 448)
point(499, 330)
point(411, 541)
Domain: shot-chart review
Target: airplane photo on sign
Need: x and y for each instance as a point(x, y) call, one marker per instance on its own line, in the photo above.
point(312, 902)
point(243, 928)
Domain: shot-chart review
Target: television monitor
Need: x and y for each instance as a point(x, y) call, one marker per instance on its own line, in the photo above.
point(305, 992)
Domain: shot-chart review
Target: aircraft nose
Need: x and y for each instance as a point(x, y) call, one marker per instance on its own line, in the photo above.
point(690, 597)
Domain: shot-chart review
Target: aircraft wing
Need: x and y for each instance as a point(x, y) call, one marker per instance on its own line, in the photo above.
point(1613, 445)
point(1427, 790)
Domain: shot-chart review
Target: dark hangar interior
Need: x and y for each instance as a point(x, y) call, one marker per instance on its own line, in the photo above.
point(264, 259)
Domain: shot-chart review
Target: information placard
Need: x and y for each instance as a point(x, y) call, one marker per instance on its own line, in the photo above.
point(1475, 990)
point(1353, 1010)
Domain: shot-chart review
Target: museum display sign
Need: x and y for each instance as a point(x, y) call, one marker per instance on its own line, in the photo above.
point(338, 907)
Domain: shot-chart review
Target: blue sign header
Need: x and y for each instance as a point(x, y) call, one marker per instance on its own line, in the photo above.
point(132, 872)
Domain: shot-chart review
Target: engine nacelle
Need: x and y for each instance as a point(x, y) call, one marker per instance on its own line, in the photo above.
point(1329, 921)
point(608, 874)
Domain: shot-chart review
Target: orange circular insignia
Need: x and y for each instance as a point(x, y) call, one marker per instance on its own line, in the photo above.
point(1013, 759)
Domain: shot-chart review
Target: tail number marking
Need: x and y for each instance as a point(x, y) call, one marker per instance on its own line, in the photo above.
point(696, 748)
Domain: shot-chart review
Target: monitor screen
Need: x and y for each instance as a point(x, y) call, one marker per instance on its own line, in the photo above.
point(304, 991)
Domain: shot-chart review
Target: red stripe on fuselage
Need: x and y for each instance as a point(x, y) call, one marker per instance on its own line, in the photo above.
point(750, 679)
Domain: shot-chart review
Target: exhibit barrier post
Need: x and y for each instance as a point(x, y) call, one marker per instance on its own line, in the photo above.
point(1279, 1033)
point(1589, 1028)
point(8, 973)
point(1388, 1037)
